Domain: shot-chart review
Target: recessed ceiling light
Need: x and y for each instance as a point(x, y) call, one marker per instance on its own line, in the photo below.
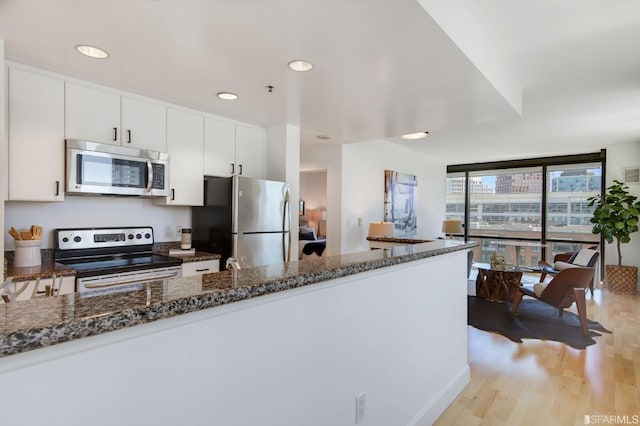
point(92, 51)
point(227, 96)
point(412, 136)
point(300, 65)
point(324, 137)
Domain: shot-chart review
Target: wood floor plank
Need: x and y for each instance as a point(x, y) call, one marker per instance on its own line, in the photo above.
point(542, 382)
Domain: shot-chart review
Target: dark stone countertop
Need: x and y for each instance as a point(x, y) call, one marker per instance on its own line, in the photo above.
point(48, 269)
point(42, 322)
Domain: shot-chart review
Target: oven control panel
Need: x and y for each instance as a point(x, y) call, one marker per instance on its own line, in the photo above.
point(90, 238)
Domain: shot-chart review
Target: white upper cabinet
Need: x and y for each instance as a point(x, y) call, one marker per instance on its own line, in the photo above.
point(233, 149)
point(101, 116)
point(185, 140)
point(92, 114)
point(219, 147)
point(144, 125)
point(251, 152)
point(36, 136)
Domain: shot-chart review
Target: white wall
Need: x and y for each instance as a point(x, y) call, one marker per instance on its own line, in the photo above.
point(81, 211)
point(3, 150)
point(382, 333)
point(283, 164)
point(313, 189)
point(620, 156)
point(329, 158)
point(363, 166)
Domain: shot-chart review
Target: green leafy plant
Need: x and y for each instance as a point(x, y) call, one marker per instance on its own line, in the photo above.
point(616, 215)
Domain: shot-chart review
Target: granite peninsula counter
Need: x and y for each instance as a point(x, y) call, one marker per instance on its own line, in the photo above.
point(253, 316)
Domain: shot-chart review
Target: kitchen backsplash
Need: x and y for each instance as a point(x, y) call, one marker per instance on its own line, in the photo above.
point(87, 211)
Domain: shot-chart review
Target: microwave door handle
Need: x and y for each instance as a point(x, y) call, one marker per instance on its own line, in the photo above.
point(149, 176)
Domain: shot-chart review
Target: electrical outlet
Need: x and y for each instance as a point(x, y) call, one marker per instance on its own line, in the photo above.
point(168, 233)
point(361, 406)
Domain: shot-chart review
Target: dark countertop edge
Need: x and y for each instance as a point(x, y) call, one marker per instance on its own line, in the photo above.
point(399, 240)
point(90, 326)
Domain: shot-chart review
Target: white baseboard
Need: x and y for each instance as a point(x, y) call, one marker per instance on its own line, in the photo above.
point(434, 408)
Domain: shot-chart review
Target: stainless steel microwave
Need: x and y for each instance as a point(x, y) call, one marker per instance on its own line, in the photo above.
point(95, 168)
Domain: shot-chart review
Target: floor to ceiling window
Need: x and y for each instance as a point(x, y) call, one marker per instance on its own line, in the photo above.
point(526, 210)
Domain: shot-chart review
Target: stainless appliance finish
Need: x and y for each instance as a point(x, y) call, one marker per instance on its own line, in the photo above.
point(244, 218)
point(102, 169)
point(112, 259)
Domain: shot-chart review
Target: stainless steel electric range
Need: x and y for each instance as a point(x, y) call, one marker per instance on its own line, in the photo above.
point(112, 259)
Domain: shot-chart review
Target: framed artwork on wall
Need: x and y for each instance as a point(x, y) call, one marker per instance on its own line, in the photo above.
point(400, 202)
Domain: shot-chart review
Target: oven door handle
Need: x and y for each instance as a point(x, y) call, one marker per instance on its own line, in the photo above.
point(149, 176)
point(131, 281)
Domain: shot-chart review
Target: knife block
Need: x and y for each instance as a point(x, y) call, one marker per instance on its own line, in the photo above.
point(27, 253)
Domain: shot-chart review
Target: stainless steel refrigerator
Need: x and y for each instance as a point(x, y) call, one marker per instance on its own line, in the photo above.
point(245, 218)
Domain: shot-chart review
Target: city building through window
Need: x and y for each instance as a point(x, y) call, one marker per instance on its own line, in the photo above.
point(541, 203)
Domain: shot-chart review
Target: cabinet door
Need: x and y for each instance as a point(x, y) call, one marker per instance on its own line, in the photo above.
point(185, 144)
point(251, 152)
point(219, 147)
point(144, 125)
point(92, 114)
point(36, 137)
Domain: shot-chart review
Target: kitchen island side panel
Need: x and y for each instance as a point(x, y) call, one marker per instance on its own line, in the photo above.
point(397, 334)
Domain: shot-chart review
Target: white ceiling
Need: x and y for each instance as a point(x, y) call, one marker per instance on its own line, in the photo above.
point(381, 67)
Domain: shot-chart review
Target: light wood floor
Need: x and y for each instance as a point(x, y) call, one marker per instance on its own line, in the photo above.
point(548, 383)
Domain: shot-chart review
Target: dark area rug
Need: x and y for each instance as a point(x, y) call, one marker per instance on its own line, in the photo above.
point(534, 320)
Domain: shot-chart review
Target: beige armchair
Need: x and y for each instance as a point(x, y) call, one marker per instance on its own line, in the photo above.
point(582, 258)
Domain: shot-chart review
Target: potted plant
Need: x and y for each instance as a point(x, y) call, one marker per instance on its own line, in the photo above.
point(616, 217)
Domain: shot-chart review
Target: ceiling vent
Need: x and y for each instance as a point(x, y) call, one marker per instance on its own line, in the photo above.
point(631, 174)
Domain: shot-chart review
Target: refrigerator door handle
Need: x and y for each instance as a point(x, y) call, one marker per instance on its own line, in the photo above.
point(286, 218)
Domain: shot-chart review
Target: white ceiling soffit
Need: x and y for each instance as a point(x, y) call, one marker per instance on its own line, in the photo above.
point(454, 18)
point(382, 68)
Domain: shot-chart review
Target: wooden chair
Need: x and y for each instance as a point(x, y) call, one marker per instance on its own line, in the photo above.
point(582, 258)
point(568, 286)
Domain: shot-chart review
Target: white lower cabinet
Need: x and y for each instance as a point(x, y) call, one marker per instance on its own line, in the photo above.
point(67, 286)
point(200, 268)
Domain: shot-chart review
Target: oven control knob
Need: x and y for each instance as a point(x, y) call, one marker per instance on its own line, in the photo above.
point(65, 240)
point(130, 236)
point(77, 239)
point(147, 235)
point(138, 236)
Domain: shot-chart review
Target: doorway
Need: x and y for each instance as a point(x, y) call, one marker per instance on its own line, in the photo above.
point(313, 191)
